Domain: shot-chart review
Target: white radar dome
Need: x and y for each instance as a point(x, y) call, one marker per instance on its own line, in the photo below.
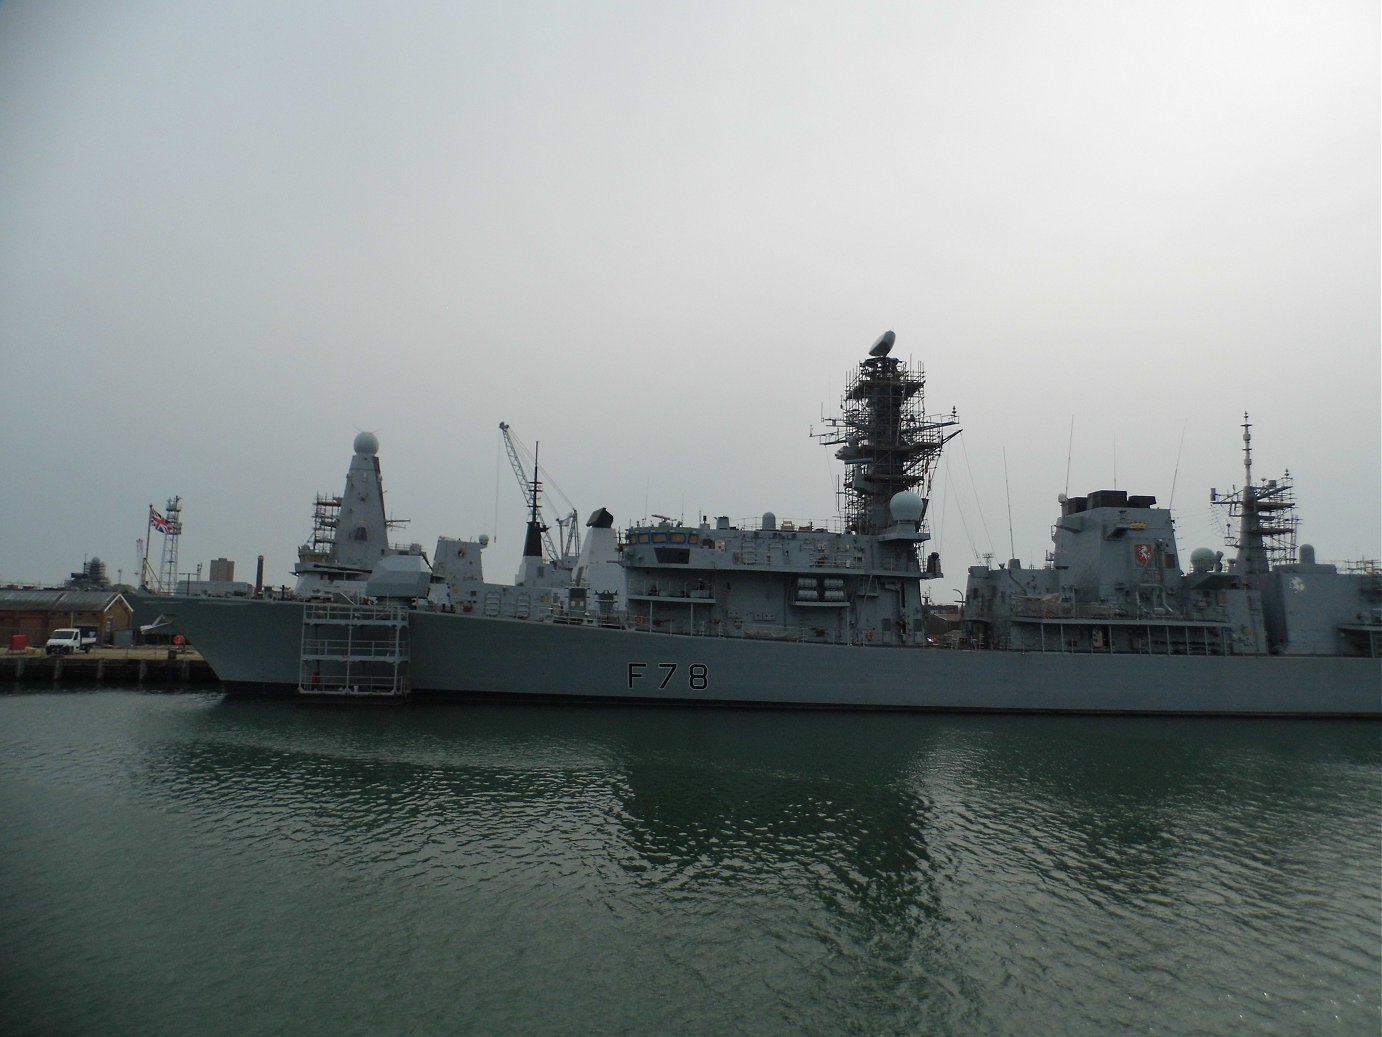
point(1203, 560)
point(907, 506)
point(367, 443)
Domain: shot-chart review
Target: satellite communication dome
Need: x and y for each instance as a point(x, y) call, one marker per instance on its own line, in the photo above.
point(484, 540)
point(769, 521)
point(367, 443)
point(1203, 560)
point(907, 506)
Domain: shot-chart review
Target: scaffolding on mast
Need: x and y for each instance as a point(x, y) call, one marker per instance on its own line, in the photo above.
point(887, 441)
point(1267, 522)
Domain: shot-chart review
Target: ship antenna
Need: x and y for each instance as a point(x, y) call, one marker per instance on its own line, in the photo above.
point(1247, 524)
point(1176, 474)
point(1250, 546)
point(1247, 450)
point(536, 446)
point(1012, 547)
point(1069, 451)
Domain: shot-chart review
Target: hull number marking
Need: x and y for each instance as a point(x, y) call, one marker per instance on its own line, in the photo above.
point(697, 675)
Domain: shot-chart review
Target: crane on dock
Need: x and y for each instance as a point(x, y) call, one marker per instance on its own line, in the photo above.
point(568, 528)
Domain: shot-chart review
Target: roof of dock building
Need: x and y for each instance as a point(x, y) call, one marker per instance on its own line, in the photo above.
point(30, 599)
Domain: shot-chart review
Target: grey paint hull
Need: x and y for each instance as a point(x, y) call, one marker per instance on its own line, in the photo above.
point(255, 646)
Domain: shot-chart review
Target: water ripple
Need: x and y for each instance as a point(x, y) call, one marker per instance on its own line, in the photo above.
point(172, 857)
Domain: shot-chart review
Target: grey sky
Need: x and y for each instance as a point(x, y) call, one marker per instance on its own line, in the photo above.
point(656, 238)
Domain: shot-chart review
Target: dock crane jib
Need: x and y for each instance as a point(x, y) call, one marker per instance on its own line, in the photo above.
point(561, 558)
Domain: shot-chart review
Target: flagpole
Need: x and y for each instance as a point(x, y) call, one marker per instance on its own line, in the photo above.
point(148, 535)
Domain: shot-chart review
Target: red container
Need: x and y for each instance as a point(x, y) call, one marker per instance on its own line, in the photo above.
point(19, 642)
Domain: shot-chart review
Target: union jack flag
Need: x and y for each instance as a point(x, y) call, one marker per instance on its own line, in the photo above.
point(162, 524)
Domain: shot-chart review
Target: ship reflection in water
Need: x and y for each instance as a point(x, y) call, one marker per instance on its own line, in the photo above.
point(180, 862)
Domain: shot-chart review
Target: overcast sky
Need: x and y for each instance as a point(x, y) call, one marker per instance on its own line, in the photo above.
point(657, 238)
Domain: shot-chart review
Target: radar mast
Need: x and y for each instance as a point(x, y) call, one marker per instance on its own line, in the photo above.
point(1266, 513)
point(886, 439)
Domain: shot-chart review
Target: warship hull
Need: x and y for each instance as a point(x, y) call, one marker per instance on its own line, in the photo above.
point(255, 647)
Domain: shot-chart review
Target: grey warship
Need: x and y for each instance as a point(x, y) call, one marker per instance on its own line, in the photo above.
point(778, 614)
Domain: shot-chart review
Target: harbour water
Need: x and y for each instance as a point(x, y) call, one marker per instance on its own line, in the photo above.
point(178, 863)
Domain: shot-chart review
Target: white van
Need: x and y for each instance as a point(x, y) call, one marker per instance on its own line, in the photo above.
point(67, 640)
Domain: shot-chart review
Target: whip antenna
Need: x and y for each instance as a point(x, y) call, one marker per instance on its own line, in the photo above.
point(1012, 547)
point(1069, 450)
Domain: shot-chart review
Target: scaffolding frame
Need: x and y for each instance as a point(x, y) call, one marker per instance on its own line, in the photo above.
point(886, 440)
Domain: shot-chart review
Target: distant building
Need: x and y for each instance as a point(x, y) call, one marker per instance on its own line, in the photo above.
point(37, 613)
point(222, 570)
point(215, 588)
point(91, 577)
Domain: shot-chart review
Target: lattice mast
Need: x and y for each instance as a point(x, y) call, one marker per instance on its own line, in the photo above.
point(887, 441)
point(165, 580)
point(169, 563)
point(1266, 514)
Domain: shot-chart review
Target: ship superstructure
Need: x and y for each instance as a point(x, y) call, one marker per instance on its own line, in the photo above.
point(784, 581)
point(1115, 585)
point(350, 530)
point(1308, 607)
